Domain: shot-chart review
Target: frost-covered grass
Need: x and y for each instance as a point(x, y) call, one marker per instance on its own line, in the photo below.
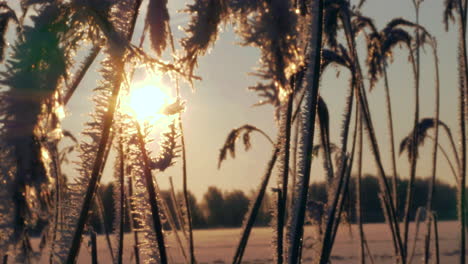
point(297, 40)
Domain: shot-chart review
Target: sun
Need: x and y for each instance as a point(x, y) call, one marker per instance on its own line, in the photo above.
point(147, 100)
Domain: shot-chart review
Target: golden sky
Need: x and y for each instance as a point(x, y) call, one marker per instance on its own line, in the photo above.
point(221, 102)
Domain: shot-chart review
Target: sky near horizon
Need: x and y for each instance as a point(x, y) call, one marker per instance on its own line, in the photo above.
point(221, 102)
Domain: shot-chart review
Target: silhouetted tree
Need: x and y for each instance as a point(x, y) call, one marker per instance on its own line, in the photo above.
point(236, 205)
point(214, 203)
point(264, 216)
point(444, 198)
point(198, 220)
point(229, 209)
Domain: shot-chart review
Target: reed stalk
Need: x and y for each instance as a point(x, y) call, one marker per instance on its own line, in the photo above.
point(176, 206)
point(170, 220)
point(392, 137)
point(324, 122)
point(294, 161)
point(149, 184)
point(431, 190)
point(283, 194)
point(312, 77)
point(254, 209)
point(436, 236)
point(103, 142)
point(334, 212)
point(362, 256)
point(447, 158)
point(463, 115)
point(414, 146)
point(184, 176)
point(57, 197)
point(365, 112)
point(185, 182)
point(133, 222)
point(418, 217)
point(81, 74)
point(340, 193)
point(94, 254)
point(121, 169)
point(278, 244)
point(99, 205)
point(185, 191)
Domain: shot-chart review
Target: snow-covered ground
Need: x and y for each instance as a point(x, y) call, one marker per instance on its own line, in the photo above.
point(218, 245)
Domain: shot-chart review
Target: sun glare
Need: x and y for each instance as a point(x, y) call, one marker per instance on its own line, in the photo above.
point(147, 100)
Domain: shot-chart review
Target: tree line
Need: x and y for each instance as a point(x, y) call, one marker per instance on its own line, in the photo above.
point(220, 209)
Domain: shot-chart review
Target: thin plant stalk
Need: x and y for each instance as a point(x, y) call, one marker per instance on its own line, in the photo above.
point(155, 211)
point(386, 209)
point(136, 252)
point(100, 161)
point(427, 240)
point(100, 210)
point(334, 216)
point(461, 11)
point(133, 222)
point(434, 155)
point(347, 121)
point(369, 252)
point(94, 255)
point(436, 236)
point(325, 137)
point(392, 136)
point(184, 183)
point(349, 167)
point(385, 188)
point(463, 71)
point(254, 209)
point(294, 161)
point(414, 147)
point(284, 177)
point(180, 219)
point(418, 221)
point(448, 132)
point(364, 108)
point(344, 171)
point(100, 204)
point(362, 255)
point(453, 147)
point(365, 112)
point(447, 158)
point(278, 244)
point(462, 189)
point(170, 220)
point(87, 64)
point(95, 178)
point(185, 191)
point(184, 170)
point(122, 201)
point(312, 77)
point(334, 212)
point(57, 196)
point(298, 107)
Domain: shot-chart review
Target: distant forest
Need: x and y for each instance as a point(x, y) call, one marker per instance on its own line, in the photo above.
point(220, 209)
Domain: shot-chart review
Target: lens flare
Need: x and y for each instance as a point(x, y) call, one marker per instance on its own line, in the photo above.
point(147, 100)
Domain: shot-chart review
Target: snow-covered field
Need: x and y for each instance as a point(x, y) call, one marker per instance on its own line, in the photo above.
point(218, 245)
